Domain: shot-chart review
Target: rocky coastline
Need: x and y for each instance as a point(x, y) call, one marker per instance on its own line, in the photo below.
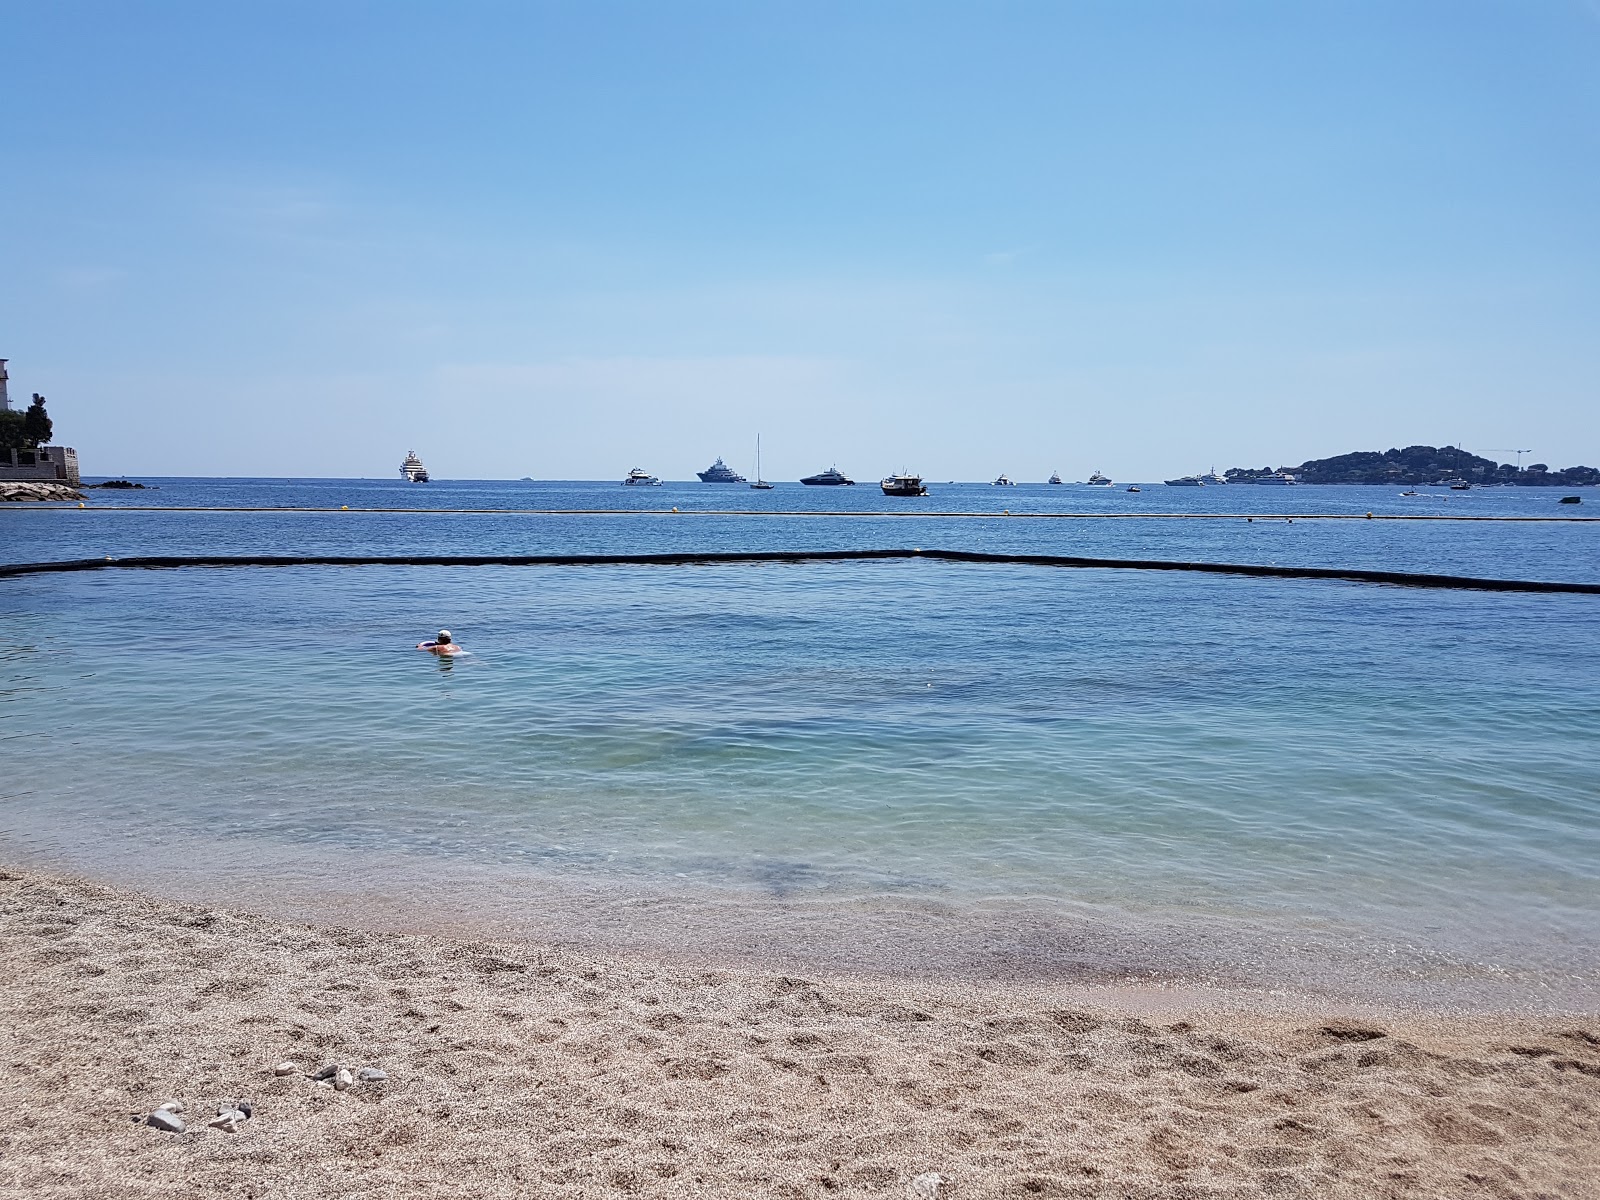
point(24, 490)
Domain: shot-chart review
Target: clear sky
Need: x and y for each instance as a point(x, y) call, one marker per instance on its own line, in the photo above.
point(564, 239)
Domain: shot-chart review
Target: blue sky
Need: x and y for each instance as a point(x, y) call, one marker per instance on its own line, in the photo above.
point(561, 240)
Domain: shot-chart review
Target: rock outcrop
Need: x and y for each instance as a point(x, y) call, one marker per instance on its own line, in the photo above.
point(20, 490)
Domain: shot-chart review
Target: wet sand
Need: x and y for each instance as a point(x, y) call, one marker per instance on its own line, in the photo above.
point(516, 1069)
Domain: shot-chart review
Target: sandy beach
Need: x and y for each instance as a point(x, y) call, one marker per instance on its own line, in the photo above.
point(516, 1070)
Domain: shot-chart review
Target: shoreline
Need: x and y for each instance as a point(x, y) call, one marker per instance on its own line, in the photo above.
point(516, 1068)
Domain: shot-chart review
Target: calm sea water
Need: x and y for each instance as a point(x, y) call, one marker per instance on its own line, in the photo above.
point(1366, 790)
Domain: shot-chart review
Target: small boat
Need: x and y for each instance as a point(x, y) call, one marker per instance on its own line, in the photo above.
point(412, 470)
point(1460, 485)
point(639, 477)
point(1185, 481)
point(1055, 477)
point(1408, 493)
point(832, 477)
point(1002, 482)
point(720, 472)
point(760, 484)
point(903, 485)
point(1570, 500)
point(1133, 487)
point(1098, 480)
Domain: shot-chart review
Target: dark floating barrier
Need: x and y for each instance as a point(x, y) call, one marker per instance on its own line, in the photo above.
point(692, 558)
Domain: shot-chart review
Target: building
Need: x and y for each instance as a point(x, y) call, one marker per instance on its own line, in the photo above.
point(47, 464)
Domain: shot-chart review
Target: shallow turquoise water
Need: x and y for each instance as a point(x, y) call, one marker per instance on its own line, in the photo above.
point(1204, 770)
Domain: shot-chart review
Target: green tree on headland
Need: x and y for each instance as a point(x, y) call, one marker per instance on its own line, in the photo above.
point(12, 436)
point(36, 426)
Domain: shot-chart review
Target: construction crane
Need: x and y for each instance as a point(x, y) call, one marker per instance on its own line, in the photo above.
point(1504, 450)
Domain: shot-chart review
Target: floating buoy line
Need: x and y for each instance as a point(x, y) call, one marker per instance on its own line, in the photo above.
point(696, 558)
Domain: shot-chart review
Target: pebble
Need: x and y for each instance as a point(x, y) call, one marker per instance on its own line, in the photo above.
point(925, 1186)
point(328, 1072)
point(323, 1083)
point(165, 1119)
point(171, 1106)
point(343, 1079)
point(372, 1075)
point(285, 1068)
point(228, 1122)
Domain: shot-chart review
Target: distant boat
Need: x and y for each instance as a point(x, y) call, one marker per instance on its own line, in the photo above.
point(1185, 481)
point(1098, 480)
point(1055, 477)
point(903, 485)
point(1570, 500)
point(720, 472)
point(1458, 485)
point(832, 477)
point(1408, 493)
point(1279, 479)
point(639, 477)
point(1211, 478)
point(760, 485)
point(1134, 487)
point(1002, 482)
point(526, 479)
point(412, 470)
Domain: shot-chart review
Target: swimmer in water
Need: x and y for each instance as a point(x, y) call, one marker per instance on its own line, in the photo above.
point(441, 645)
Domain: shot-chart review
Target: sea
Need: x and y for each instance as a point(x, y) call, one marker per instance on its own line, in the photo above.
point(966, 771)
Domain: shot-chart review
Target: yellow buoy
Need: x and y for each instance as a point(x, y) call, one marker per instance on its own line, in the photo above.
point(674, 508)
point(344, 508)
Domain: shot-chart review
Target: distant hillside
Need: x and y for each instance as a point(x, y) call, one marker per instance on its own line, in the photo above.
point(1421, 465)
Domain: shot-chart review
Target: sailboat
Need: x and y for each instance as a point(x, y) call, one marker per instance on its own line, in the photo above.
point(760, 484)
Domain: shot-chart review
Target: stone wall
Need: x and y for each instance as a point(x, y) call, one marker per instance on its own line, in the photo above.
point(47, 463)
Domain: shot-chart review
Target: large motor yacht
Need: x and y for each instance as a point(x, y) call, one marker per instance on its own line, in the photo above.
point(1002, 482)
point(720, 472)
point(1211, 478)
point(1278, 479)
point(412, 470)
point(639, 477)
point(1186, 481)
point(1098, 480)
point(903, 485)
point(1055, 477)
point(832, 477)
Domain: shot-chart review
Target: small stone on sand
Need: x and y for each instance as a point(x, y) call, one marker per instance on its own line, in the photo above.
point(165, 1119)
point(343, 1079)
point(372, 1075)
point(228, 1122)
point(925, 1186)
point(285, 1068)
point(327, 1072)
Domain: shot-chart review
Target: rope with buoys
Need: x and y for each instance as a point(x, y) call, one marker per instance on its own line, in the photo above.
point(712, 558)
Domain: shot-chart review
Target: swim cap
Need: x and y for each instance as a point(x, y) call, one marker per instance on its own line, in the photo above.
point(444, 635)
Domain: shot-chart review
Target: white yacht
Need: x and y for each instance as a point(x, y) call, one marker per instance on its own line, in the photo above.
point(639, 477)
point(1002, 482)
point(1055, 477)
point(1186, 481)
point(1098, 480)
point(1278, 479)
point(412, 470)
point(1211, 478)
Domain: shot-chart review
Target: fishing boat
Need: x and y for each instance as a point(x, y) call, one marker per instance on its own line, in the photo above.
point(1098, 480)
point(639, 477)
point(1185, 481)
point(903, 485)
point(760, 484)
point(720, 472)
point(1002, 482)
point(412, 470)
point(832, 477)
point(1055, 477)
